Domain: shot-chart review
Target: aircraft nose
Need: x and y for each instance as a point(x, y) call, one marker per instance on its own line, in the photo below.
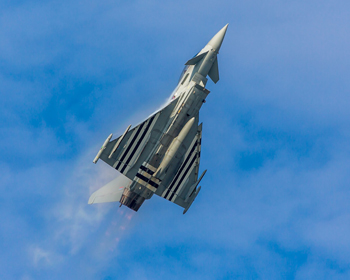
point(216, 41)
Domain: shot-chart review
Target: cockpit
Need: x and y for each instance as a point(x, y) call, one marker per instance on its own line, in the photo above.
point(183, 74)
point(184, 77)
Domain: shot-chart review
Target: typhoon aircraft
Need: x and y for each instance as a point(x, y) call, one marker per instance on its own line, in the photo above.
point(161, 155)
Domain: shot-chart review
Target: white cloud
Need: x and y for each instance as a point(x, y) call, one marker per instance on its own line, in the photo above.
point(276, 76)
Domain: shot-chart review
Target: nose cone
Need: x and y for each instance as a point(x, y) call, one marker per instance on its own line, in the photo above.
point(216, 41)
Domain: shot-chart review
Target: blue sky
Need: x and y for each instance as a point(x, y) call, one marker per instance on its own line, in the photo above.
point(275, 201)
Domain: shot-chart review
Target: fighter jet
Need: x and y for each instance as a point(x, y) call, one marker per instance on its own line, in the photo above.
point(161, 155)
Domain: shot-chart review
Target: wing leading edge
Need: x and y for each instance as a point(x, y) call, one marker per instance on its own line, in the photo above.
point(136, 143)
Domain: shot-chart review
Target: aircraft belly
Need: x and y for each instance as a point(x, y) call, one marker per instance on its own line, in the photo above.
point(161, 154)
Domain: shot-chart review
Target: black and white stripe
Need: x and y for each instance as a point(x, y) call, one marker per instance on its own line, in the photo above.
point(144, 177)
point(144, 168)
point(134, 145)
point(183, 172)
point(199, 146)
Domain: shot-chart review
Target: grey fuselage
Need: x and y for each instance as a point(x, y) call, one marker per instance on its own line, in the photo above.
point(170, 146)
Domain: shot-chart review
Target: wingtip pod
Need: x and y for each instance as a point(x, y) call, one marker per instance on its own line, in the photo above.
point(102, 148)
point(192, 198)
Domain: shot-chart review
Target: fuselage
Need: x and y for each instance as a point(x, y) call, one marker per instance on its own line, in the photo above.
point(188, 97)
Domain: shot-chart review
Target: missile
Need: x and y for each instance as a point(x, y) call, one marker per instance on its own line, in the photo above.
point(102, 148)
point(194, 186)
point(119, 141)
point(173, 148)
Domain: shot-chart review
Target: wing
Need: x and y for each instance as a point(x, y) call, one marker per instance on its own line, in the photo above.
point(183, 188)
point(138, 143)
